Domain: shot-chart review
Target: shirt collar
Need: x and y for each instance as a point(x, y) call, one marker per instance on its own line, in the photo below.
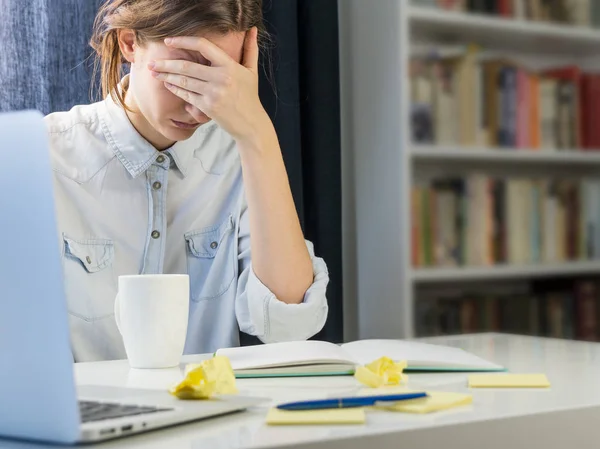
point(136, 153)
point(183, 152)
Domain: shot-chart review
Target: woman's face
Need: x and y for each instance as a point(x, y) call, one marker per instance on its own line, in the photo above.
point(164, 112)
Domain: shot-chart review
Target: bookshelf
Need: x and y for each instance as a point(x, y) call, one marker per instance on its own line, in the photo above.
point(501, 33)
point(451, 153)
point(500, 272)
point(382, 163)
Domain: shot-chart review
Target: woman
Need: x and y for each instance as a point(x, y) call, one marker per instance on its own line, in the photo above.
point(179, 170)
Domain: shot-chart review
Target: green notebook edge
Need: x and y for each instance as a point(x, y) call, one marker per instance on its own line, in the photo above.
point(415, 369)
point(258, 376)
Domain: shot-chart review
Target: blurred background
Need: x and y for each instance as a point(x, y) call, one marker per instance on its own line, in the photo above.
point(443, 154)
point(473, 181)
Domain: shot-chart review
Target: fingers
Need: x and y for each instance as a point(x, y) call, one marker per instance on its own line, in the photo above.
point(189, 97)
point(251, 51)
point(187, 68)
point(209, 50)
point(185, 82)
point(193, 99)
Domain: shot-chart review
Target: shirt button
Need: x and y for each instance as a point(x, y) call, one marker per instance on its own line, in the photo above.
point(157, 185)
point(214, 245)
point(160, 159)
point(88, 259)
point(155, 234)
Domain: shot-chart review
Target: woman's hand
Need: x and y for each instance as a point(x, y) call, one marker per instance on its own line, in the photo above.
point(225, 91)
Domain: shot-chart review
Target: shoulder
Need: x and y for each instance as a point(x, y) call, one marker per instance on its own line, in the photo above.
point(79, 118)
point(77, 144)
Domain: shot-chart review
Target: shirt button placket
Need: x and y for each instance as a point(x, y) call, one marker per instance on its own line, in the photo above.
point(156, 177)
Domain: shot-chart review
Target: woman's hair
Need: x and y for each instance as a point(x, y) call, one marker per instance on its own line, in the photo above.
point(155, 20)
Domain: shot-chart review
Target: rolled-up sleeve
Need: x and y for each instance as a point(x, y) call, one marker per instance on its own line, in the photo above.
point(259, 312)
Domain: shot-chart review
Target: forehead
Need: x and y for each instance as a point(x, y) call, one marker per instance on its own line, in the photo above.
point(231, 43)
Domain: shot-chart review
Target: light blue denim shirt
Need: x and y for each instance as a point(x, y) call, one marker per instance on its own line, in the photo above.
point(125, 208)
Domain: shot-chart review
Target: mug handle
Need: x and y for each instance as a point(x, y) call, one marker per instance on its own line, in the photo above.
point(118, 313)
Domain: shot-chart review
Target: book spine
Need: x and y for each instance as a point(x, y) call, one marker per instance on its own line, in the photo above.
point(503, 138)
point(555, 315)
point(564, 125)
point(416, 226)
point(519, 9)
point(568, 316)
point(523, 110)
point(511, 111)
point(595, 213)
point(534, 117)
point(586, 310)
point(421, 114)
point(492, 92)
point(572, 212)
point(426, 226)
point(593, 112)
point(548, 108)
point(505, 8)
point(535, 224)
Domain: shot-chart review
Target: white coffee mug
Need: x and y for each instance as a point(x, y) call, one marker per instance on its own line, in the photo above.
point(152, 312)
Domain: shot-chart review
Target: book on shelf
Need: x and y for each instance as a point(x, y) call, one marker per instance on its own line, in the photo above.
point(573, 12)
point(468, 98)
point(569, 310)
point(480, 220)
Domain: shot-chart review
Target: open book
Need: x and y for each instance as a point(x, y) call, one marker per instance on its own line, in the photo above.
point(320, 358)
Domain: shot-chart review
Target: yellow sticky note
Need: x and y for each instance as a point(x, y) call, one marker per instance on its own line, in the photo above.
point(307, 417)
point(212, 376)
point(435, 401)
point(381, 372)
point(508, 381)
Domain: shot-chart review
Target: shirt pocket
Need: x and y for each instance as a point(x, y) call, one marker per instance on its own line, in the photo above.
point(90, 285)
point(211, 258)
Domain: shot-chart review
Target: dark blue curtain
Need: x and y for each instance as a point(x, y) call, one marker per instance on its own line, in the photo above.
point(305, 108)
point(44, 53)
point(302, 96)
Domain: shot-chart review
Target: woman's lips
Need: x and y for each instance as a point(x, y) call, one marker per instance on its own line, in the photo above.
point(184, 125)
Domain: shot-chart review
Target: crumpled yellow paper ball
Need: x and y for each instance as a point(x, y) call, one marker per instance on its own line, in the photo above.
point(381, 372)
point(202, 381)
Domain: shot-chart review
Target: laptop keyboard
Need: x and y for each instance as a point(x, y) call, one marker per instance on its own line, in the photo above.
point(92, 411)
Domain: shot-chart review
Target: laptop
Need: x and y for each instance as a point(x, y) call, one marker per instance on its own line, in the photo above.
point(39, 398)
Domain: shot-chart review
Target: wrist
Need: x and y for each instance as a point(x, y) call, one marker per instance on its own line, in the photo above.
point(259, 136)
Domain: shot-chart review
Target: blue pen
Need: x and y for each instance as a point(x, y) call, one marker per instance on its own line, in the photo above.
point(358, 401)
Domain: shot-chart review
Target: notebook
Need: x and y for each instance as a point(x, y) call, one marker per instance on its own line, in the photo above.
point(320, 358)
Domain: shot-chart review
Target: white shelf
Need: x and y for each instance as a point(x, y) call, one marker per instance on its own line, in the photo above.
point(380, 285)
point(460, 274)
point(503, 33)
point(441, 154)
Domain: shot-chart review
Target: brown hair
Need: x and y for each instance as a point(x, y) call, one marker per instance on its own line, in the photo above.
point(155, 20)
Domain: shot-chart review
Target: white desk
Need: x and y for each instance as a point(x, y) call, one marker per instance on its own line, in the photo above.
point(564, 416)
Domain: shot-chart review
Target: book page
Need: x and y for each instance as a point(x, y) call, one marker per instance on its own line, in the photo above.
point(416, 354)
point(284, 354)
